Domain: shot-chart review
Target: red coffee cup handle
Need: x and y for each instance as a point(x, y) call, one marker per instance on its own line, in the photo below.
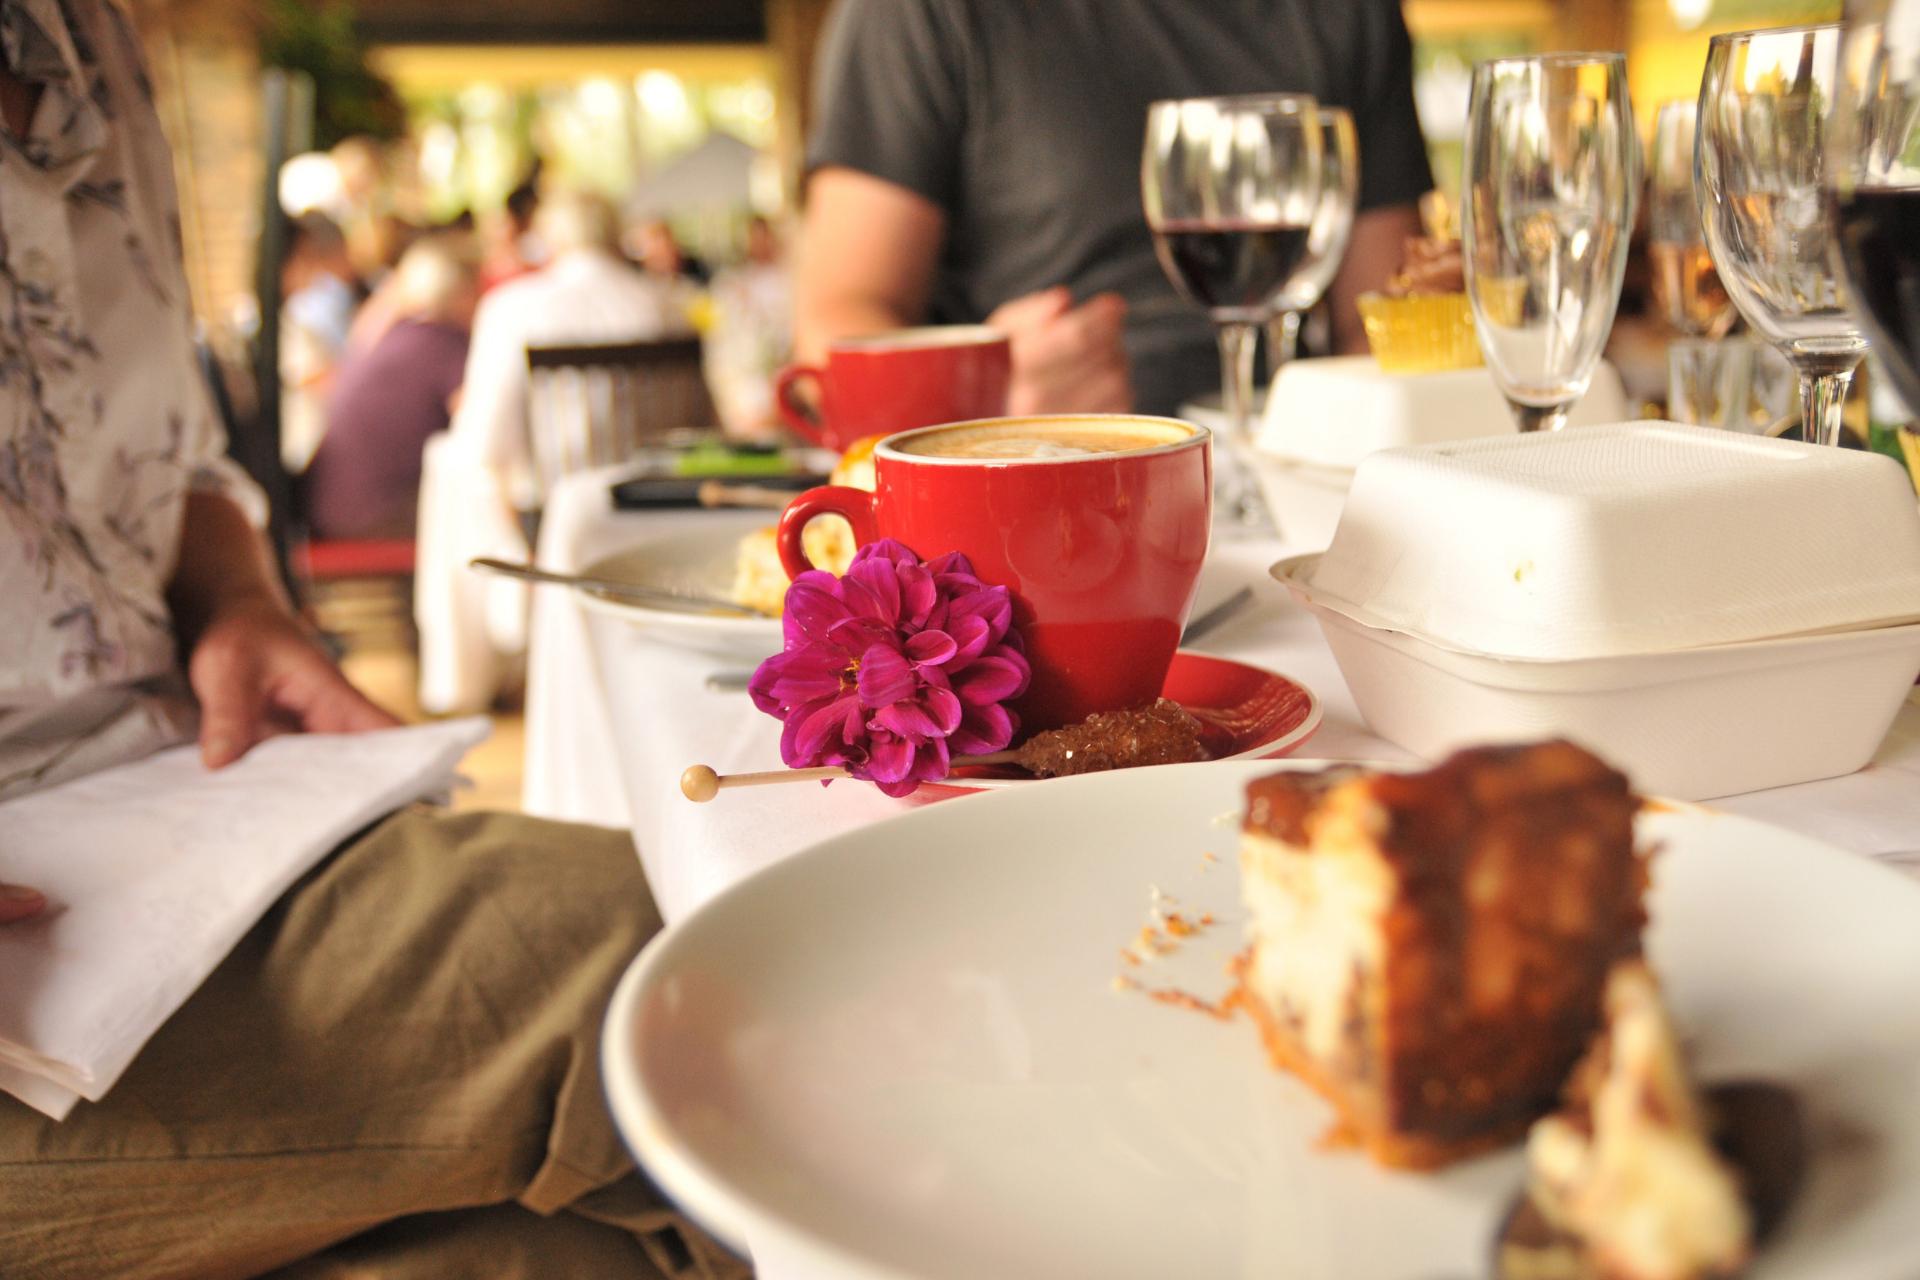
point(793, 412)
point(831, 499)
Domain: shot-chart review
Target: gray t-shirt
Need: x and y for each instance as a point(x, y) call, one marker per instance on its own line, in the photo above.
point(1023, 120)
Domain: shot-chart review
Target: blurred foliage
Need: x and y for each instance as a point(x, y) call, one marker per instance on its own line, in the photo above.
point(318, 38)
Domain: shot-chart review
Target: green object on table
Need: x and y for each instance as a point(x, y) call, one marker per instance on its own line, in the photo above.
point(731, 460)
point(1884, 438)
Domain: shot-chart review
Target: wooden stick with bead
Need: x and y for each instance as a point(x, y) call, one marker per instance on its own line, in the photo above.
point(701, 784)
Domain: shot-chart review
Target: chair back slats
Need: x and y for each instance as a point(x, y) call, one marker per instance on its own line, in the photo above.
point(595, 405)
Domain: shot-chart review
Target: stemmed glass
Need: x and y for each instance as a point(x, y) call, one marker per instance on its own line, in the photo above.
point(1231, 187)
point(1327, 241)
point(1552, 174)
point(1873, 179)
point(1760, 162)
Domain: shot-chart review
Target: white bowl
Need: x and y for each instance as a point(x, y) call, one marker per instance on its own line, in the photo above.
point(1639, 537)
point(1692, 724)
point(1334, 412)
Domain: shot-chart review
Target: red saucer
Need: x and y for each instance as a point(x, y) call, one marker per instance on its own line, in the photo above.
point(1249, 713)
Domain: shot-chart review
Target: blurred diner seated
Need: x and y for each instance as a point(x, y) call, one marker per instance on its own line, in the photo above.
point(975, 160)
point(659, 251)
point(321, 296)
point(750, 333)
point(586, 293)
point(512, 248)
point(390, 396)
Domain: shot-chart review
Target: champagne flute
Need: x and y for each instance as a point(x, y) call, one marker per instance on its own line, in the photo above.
point(1552, 174)
point(1231, 187)
point(1327, 241)
point(1759, 170)
point(1873, 180)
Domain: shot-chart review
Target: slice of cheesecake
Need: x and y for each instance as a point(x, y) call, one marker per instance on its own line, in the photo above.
point(1628, 1168)
point(1428, 950)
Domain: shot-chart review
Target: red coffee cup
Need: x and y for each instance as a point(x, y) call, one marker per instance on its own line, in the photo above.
point(887, 382)
point(1102, 550)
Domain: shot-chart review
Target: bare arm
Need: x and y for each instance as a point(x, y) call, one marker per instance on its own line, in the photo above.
point(1379, 239)
point(867, 258)
point(867, 253)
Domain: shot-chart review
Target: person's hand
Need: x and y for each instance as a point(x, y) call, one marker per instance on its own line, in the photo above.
point(257, 673)
point(17, 903)
point(1066, 359)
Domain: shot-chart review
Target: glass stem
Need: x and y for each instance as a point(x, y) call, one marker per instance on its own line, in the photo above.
point(1283, 340)
point(1236, 375)
point(1533, 417)
point(1822, 396)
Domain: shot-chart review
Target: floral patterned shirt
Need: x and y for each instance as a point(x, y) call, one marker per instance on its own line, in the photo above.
point(105, 422)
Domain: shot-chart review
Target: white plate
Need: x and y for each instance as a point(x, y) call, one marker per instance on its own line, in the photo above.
point(699, 560)
point(900, 1052)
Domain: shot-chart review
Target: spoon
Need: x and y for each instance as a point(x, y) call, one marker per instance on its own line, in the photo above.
point(618, 590)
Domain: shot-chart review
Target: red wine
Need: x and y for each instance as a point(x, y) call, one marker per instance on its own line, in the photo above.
point(1230, 267)
point(1879, 236)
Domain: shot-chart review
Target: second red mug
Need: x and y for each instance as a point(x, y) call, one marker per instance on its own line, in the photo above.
point(1097, 522)
point(887, 382)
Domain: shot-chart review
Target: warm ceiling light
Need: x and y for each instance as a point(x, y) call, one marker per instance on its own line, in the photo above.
point(1689, 14)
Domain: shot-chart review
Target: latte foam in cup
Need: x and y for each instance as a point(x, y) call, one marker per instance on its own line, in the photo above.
point(1041, 439)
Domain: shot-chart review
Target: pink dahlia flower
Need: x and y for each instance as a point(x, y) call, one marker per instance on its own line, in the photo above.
point(894, 669)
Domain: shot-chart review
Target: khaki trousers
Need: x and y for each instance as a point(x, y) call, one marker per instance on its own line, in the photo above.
point(395, 1074)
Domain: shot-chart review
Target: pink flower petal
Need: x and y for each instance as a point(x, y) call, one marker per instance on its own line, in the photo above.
point(919, 596)
point(932, 762)
point(813, 607)
point(835, 722)
point(992, 679)
point(994, 605)
point(873, 590)
point(971, 637)
point(945, 708)
point(914, 720)
point(930, 648)
point(885, 677)
point(890, 760)
point(983, 729)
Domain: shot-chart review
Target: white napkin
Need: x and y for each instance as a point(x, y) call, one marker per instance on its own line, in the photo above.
point(154, 870)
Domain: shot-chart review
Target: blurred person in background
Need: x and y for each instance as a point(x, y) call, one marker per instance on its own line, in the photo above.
point(512, 249)
point(390, 396)
point(750, 333)
point(656, 248)
point(320, 295)
point(587, 293)
point(980, 160)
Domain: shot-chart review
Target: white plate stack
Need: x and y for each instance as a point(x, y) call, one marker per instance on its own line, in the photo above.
point(1714, 613)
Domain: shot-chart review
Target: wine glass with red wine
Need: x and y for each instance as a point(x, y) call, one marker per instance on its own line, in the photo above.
point(1551, 178)
point(1760, 176)
point(1231, 187)
point(1873, 180)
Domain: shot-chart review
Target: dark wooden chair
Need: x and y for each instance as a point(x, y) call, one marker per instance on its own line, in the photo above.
point(596, 405)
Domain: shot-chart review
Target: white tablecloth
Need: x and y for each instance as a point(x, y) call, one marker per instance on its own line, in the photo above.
point(608, 735)
point(469, 625)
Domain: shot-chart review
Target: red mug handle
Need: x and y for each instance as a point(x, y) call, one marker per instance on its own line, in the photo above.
point(794, 413)
point(830, 499)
